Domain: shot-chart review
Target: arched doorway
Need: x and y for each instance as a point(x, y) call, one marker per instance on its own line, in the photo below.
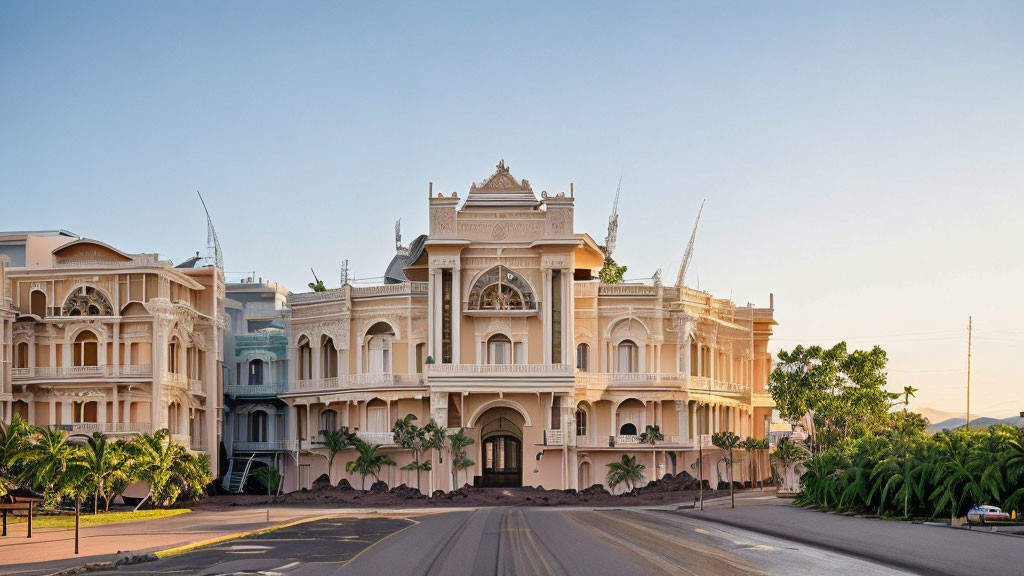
point(501, 448)
point(585, 480)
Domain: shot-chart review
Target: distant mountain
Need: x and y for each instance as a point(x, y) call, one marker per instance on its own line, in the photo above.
point(981, 422)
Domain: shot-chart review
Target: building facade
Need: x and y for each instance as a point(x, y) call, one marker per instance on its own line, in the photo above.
point(495, 322)
point(94, 338)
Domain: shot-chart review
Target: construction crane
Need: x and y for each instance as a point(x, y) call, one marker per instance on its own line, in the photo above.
point(613, 223)
point(688, 255)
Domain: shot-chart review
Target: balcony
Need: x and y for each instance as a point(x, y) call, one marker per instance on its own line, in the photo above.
point(197, 386)
point(352, 381)
point(382, 438)
point(499, 376)
point(502, 369)
point(111, 371)
point(267, 389)
point(403, 288)
point(109, 427)
point(267, 446)
point(176, 379)
point(629, 380)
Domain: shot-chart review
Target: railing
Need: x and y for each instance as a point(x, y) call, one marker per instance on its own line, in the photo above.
point(627, 290)
point(360, 381)
point(621, 439)
point(103, 371)
point(110, 427)
point(255, 390)
point(325, 296)
point(390, 289)
point(630, 379)
point(265, 339)
point(595, 379)
point(510, 369)
point(627, 440)
point(377, 437)
point(553, 438)
point(196, 386)
point(197, 444)
point(698, 383)
point(260, 309)
point(762, 399)
point(269, 446)
point(585, 289)
point(173, 379)
point(148, 260)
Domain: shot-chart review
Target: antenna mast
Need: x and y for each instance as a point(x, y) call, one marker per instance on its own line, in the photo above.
point(344, 272)
point(688, 255)
point(212, 243)
point(613, 223)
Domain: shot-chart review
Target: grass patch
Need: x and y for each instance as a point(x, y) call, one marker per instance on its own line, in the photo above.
point(68, 521)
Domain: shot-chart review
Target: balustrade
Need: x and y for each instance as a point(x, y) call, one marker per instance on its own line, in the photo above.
point(377, 437)
point(173, 379)
point(510, 369)
point(359, 381)
point(102, 371)
point(268, 446)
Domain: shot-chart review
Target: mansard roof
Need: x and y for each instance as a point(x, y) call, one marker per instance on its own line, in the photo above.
point(501, 190)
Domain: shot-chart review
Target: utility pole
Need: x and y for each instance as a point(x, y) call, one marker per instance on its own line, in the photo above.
point(969, 331)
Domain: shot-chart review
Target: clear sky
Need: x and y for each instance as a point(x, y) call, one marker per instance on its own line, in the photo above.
point(864, 161)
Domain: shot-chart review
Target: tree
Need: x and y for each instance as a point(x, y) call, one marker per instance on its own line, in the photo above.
point(434, 436)
point(652, 435)
point(335, 441)
point(844, 391)
point(410, 436)
point(168, 468)
point(611, 273)
point(269, 477)
point(317, 285)
point(102, 464)
point(368, 462)
point(14, 439)
point(788, 453)
point(908, 393)
point(626, 471)
point(48, 463)
point(726, 440)
point(457, 444)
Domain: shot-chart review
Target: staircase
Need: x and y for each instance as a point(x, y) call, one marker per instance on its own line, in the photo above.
point(238, 473)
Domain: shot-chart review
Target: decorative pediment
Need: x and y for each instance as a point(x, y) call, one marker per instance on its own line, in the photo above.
point(89, 251)
point(502, 181)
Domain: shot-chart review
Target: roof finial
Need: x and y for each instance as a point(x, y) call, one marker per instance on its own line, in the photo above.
point(398, 238)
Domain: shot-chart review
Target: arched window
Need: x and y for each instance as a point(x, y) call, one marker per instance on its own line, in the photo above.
point(380, 337)
point(21, 356)
point(628, 429)
point(256, 372)
point(258, 426)
point(37, 303)
point(377, 416)
point(328, 358)
point(499, 349)
point(173, 362)
point(328, 420)
point(87, 301)
point(581, 421)
point(583, 357)
point(86, 349)
point(501, 288)
point(628, 357)
point(305, 359)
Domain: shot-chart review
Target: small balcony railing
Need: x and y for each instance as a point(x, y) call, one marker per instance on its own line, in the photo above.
point(109, 427)
point(381, 379)
point(266, 446)
point(382, 438)
point(103, 371)
point(173, 379)
point(196, 386)
point(525, 370)
point(265, 389)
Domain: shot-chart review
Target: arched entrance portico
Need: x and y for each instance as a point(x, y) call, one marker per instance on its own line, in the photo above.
point(501, 448)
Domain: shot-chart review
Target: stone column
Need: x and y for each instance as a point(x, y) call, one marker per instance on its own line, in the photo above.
point(437, 326)
point(431, 321)
point(546, 291)
point(683, 414)
point(457, 315)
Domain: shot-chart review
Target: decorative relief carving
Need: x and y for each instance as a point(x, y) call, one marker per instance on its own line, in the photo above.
point(443, 262)
point(442, 220)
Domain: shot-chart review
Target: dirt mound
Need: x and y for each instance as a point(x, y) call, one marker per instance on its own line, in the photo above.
point(322, 481)
point(379, 487)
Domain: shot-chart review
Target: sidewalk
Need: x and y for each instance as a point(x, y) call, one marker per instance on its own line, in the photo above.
point(916, 547)
point(52, 549)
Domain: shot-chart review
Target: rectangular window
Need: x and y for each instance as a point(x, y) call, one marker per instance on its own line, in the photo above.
point(556, 316)
point(446, 316)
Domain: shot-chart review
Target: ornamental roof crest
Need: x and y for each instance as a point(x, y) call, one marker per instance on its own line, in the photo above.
point(502, 181)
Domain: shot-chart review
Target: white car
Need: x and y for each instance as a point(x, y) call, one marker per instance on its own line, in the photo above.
point(983, 514)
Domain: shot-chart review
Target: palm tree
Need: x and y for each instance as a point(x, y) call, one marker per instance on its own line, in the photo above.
point(13, 442)
point(434, 436)
point(269, 477)
point(626, 471)
point(49, 462)
point(457, 444)
point(651, 435)
point(789, 453)
point(410, 436)
point(335, 441)
point(168, 468)
point(101, 461)
point(728, 441)
point(908, 393)
point(368, 462)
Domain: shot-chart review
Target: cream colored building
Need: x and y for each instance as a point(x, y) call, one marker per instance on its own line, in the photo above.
point(93, 338)
point(551, 372)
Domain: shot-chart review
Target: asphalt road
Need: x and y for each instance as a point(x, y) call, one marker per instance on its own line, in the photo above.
point(506, 541)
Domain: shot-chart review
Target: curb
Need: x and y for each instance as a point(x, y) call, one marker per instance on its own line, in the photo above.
point(237, 535)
